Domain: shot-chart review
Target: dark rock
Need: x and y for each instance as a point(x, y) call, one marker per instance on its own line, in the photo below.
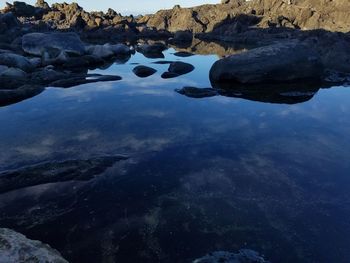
point(183, 37)
point(183, 54)
point(281, 62)
point(21, 9)
point(72, 81)
point(8, 97)
point(162, 62)
point(16, 61)
point(143, 71)
point(38, 43)
point(10, 20)
point(51, 172)
point(169, 75)
point(180, 68)
point(193, 92)
point(152, 51)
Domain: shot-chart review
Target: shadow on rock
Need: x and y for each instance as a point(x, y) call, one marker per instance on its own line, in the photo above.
point(52, 172)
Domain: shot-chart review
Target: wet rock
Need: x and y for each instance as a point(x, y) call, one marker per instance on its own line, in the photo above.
point(183, 54)
point(243, 256)
point(152, 51)
point(72, 81)
point(8, 97)
point(169, 75)
point(108, 50)
point(77, 170)
point(180, 68)
point(193, 92)
point(15, 247)
point(143, 71)
point(281, 62)
point(38, 43)
point(6, 72)
point(16, 61)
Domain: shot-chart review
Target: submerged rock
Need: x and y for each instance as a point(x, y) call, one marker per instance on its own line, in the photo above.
point(243, 256)
point(38, 43)
point(71, 170)
point(143, 71)
point(194, 92)
point(278, 63)
point(15, 247)
point(108, 50)
point(183, 54)
point(75, 80)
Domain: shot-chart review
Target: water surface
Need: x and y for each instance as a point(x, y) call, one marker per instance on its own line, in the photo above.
point(219, 173)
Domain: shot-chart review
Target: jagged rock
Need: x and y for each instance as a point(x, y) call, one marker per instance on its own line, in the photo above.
point(42, 4)
point(143, 71)
point(16, 61)
point(37, 43)
point(243, 256)
point(180, 68)
point(15, 247)
point(78, 170)
point(281, 62)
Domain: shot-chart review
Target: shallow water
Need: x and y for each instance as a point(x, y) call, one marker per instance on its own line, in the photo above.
point(219, 173)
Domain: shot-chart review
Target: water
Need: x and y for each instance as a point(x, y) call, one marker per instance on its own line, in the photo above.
point(219, 173)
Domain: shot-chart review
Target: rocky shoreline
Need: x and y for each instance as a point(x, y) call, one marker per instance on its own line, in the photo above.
point(42, 45)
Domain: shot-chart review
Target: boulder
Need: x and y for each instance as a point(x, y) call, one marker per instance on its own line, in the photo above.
point(15, 247)
point(16, 61)
point(37, 43)
point(277, 63)
point(143, 71)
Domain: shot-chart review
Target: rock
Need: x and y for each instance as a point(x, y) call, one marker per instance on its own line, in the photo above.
point(108, 50)
point(13, 73)
point(47, 75)
point(42, 4)
point(281, 62)
point(183, 54)
point(169, 75)
point(10, 20)
point(8, 97)
point(16, 61)
point(51, 172)
point(193, 92)
point(152, 51)
point(243, 256)
point(15, 247)
point(143, 71)
point(162, 62)
point(21, 9)
point(183, 37)
point(82, 79)
point(180, 68)
point(37, 43)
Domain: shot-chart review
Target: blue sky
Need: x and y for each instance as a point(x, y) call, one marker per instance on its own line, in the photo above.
point(129, 6)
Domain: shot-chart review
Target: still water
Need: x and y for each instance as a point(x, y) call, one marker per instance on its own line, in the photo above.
point(199, 175)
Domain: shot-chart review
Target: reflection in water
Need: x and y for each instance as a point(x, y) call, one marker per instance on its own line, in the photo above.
point(216, 174)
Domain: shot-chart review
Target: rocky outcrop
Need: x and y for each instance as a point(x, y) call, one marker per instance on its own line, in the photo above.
point(15, 247)
point(39, 43)
point(281, 62)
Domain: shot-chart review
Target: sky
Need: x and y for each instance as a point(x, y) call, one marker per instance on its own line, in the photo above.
point(127, 6)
